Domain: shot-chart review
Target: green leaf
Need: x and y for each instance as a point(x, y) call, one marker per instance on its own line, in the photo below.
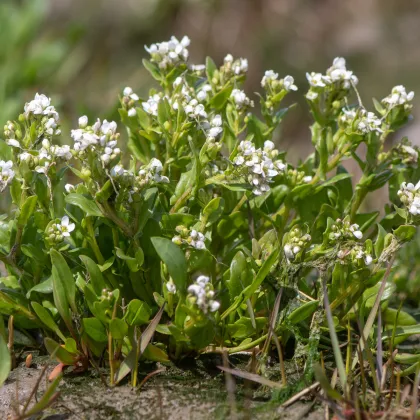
point(59, 352)
point(5, 361)
point(87, 205)
point(174, 259)
point(259, 278)
point(95, 274)
point(219, 100)
point(210, 68)
point(46, 318)
point(95, 329)
point(380, 241)
point(118, 328)
point(240, 275)
point(133, 263)
point(44, 287)
point(303, 312)
point(138, 313)
point(214, 209)
point(153, 69)
point(64, 278)
point(27, 210)
point(405, 233)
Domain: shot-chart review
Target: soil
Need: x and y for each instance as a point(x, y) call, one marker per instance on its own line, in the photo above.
point(189, 391)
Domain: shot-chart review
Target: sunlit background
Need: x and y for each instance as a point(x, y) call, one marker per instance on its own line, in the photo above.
point(83, 52)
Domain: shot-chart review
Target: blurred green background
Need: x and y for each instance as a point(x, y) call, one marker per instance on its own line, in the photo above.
point(83, 52)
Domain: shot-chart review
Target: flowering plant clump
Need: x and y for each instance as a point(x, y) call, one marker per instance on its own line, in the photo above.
point(178, 236)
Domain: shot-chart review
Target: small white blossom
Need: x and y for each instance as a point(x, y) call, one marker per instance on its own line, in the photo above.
point(169, 53)
point(311, 95)
point(317, 79)
point(65, 227)
point(171, 287)
point(339, 73)
point(398, 96)
point(354, 229)
point(40, 105)
point(13, 143)
point(151, 106)
point(196, 240)
point(369, 122)
point(410, 196)
point(69, 188)
point(288, 83)
point(6, 174)
point(201, 293)
point(269, 76)
point(83, 121)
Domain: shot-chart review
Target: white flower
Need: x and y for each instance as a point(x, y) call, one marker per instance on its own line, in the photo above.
point(62, 152)
point(311, 95)
point(307, 179)
point(65, 227)
point(288, 252)
point(117, 171)
point(369, 122)
point(354, 229)
point(202, 293)
point(288, 83)
point(169, 53)
point(412, 152)
point(398, 96)
point(269, 76)
point(132, 112)
point(25, 156)
point(317, 79)
point(228, 59)
point(171, 287)
point(6, 174)
point(241, 66)
point(13, 143)
point(339, 73)
point(151, 106)
point(69, 188)
point(40, 105)
point(196, 240)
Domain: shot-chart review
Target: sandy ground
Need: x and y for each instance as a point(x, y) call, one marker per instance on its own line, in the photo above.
point(193, 393)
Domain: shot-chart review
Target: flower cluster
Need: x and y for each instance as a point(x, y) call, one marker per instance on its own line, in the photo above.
point(150, 173)
point(410, 196)
point(297, 241)
point(100, 137)
point(169, 53)
point(343, 229)
point(336, 77)
point(356, 255)
point(129, 101)
point(369, 122)
point(6, 174)
point(258, 164)
point(269, 81)
point(188, 237)
point(151, 105)
point(56, 233)
point(40, 105)
point(240, 99)
point(235, 67)
point(398, 96)
point(202, 294)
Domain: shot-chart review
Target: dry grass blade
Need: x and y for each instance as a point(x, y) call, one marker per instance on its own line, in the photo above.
point(150, 375)
point(301, 394)
point(252, 377)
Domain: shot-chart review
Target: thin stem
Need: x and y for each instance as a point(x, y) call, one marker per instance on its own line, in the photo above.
point(92, 241)
point(181, 201)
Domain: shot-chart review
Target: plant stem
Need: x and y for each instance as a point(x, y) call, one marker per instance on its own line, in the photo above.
point(92, 241)
point(181, 201)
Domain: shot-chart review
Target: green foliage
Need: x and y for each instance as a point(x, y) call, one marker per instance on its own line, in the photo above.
point(185, 244)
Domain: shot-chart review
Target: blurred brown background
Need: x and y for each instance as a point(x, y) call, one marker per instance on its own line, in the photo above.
point(95, 48)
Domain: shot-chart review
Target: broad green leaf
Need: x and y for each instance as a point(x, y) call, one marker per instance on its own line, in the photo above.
point(137, 313)
point(64, 278)
point(174, 259)
point(118, 328)
point(46, 318)
point(27, 210)
point(59, 352)
point(219, 100)
point(95, 329)
point(44, 287)
point(214, 209)
point(303, 312)
point(87, 205)
point(95, 274)
point(5, 361)
point(240, 275)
